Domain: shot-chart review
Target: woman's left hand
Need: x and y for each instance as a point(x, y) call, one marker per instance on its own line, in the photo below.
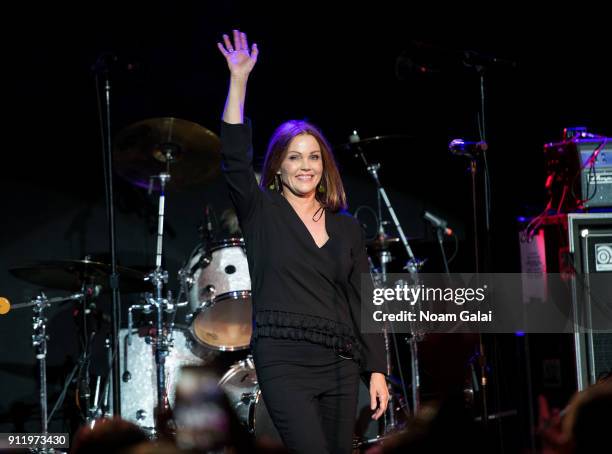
point(378, 390)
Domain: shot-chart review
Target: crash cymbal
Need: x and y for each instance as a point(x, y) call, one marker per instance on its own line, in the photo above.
point(382, 242)
point(71, 274)
point(144, 149)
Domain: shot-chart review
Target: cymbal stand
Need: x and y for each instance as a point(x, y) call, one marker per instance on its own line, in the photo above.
point(412, 266)
point(39, 341)
point(158, 277)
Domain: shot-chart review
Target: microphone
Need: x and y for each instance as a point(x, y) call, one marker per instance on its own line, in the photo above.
point(472, 58)
point(462, 147)
point(438, 223)
point(5, 306)
point(354, 137)
point(353, 144)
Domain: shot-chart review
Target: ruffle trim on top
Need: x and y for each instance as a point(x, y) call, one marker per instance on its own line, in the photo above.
point(318, 330)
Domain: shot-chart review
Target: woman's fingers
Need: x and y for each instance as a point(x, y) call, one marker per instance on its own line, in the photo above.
point(383, 400)
point(379, 399)
point(222, 49)
point(228, 44)
point(237, 43)
point(372, 400)
point(241, 49)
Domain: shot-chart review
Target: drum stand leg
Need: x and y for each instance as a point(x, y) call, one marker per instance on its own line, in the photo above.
point(39, 340)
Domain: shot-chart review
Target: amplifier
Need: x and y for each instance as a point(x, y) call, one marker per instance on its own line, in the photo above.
point(590, 244)
point(579, 173)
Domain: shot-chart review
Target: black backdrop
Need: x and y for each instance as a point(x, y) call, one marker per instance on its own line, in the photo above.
point(337, 68)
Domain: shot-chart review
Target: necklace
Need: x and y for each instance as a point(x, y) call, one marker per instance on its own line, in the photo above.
point(320, 211)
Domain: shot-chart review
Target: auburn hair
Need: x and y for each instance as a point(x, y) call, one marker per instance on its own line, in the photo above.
point(332, 197)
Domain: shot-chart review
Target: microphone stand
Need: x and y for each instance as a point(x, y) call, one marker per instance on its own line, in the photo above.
point(102, 66)
point(481, 350)
point(481, 149)
point(483, 139)
point(480, 69)
point(412, 266)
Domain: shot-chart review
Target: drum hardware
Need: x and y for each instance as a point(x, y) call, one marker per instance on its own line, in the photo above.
point(413, 265)
point(98, 408)
point(158, 278)
point(145, 153)
point(91, 279)
point(242, 389)
point(39, 342)
point(139, 368)
point(85, 298)
point(101, 407)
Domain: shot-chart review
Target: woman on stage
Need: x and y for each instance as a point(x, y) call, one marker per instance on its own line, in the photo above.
point(306, 258)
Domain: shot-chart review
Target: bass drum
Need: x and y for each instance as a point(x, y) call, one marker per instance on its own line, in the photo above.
point(240, 385)
point(139, 373)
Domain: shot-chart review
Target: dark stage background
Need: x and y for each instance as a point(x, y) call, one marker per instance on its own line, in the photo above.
point(332, 64)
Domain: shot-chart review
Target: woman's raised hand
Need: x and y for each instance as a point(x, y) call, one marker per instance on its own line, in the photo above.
point(240, 60)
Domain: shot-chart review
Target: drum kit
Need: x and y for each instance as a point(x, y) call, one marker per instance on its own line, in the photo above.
point(214, 286)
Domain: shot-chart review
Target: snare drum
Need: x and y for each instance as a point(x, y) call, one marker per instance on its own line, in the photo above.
point(218, 286)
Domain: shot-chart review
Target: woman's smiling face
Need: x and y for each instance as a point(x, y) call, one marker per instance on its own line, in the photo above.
point(302, 168)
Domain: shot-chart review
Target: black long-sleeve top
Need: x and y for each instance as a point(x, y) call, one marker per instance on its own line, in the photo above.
point(299, 291)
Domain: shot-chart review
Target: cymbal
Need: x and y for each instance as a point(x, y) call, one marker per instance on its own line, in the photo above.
point(71, 274)
point(376, 140)
point(382, 242)
point(146, 148)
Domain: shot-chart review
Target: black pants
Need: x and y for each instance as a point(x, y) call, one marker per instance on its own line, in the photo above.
point(310, 393)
